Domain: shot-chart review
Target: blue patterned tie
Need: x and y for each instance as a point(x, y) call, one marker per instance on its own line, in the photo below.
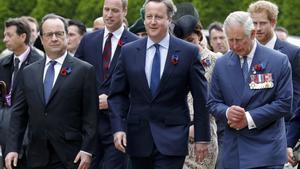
point(155, 72)
point(245, 68)
point(49, 79)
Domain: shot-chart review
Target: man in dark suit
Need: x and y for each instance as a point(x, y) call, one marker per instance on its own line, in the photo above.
point(264, 16)
point(102, 49)
point(251, 90)
point(16, 38)
point(57, 100)
point(152, 79)
point(293, 135)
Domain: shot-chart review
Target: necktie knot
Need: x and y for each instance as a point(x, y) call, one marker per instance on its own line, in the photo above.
point(52, 62)
point(156, 46)
point(109, 35)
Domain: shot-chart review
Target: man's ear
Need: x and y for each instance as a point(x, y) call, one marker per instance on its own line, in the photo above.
point(273, 23)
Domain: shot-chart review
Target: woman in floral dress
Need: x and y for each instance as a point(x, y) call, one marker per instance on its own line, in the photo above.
point(188, 28)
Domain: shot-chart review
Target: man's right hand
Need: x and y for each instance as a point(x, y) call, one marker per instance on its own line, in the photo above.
point(11, 159)
point(291, 158)
point(120, 141)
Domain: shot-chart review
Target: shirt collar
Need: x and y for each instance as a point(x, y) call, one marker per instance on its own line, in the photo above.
point(59, 60)
point(271, 42)
point(117, 34)
point(164, 42)
point(24, 55)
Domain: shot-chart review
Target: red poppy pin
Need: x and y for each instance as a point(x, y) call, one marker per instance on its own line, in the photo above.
point(174, 59)
point(120, 43)
point(65, 71)
point(258, 68)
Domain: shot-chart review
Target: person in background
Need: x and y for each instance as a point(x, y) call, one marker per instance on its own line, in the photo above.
point(76, 30)
point(98, 24)
point(189, 28)
point(102, 49)
point(217, 38)
point(17, 35)
point(34, 28)
point(264, 15)
point(281, 33)
point(138, 28)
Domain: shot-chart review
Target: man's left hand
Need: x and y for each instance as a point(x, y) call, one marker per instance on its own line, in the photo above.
point(201, 151)
point(103, 102)
point(85, 160)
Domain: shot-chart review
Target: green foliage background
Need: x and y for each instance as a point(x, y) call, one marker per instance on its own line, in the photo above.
point(88, 10)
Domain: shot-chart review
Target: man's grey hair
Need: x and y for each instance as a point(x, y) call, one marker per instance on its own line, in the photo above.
point(239, 18)
point(171, 8)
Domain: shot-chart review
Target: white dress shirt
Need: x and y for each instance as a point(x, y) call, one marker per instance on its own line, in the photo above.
point(114, 39)
point(271, 43)
point(150, 51)
point(57, 66)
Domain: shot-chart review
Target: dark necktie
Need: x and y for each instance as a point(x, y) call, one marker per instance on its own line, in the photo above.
point(106, 55)
point(13, 78)
point(245, 68)
point(16, 69)
point(49, 79)
point(155, 72)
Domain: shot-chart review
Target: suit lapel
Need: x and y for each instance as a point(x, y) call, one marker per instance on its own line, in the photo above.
point(39, 80)
point(249, 93)
point(61, 78)
point(123, 40)
point(140, 59)
point(235, 75)
point(169, 67)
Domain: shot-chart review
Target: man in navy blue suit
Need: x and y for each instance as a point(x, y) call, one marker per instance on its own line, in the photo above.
point(264, 16)
point(251, 90)
point(152, 79)
point(101, 49)
point(293, 135)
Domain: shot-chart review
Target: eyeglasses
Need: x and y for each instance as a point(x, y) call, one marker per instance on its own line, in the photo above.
point(58, 34)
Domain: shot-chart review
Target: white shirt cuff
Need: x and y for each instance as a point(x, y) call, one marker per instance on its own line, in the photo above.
point(89, 154)
point(251, 124)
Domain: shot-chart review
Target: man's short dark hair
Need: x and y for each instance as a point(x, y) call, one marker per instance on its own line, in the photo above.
point(81, 27)
point(215, 25)
point(21, 25)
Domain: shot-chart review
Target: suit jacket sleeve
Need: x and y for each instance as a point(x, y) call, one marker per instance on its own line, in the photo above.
point(118, 99)
point(216, 103)
point(198, 87)
point(281, 104)
point(80, 50)
point(19, 120)
point(89, 110)
point(293, 132)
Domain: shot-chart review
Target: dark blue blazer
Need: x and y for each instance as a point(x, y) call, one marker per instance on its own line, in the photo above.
point(293, 53)
point(90, 50)
point(293, 132)
point(162, 119)
point(266, 144)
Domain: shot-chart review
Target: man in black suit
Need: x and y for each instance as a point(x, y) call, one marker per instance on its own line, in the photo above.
point(264, 16)
point(101, 49)
point(57, 100)
point(16, 38)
